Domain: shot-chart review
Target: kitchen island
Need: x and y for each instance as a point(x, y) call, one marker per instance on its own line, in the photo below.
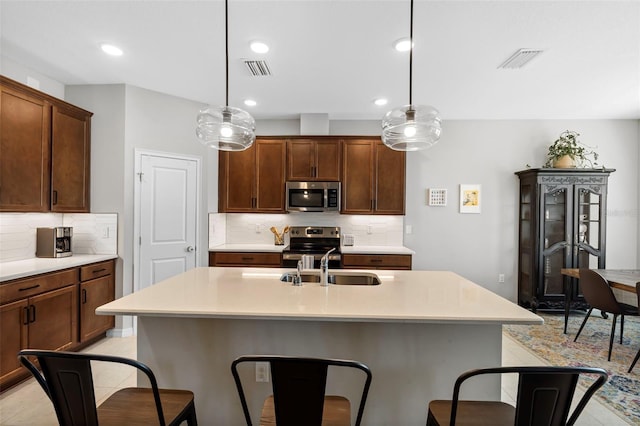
point(417, 331)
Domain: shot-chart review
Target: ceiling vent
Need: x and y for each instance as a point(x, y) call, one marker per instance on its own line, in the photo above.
point(520, 58)
point(258, 68)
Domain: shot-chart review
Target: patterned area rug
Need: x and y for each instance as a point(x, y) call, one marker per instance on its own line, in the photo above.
point(622, 390)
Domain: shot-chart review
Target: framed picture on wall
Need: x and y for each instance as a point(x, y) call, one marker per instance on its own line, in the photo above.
point(470, 198)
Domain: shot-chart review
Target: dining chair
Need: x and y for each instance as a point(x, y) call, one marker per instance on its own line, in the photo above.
point(544, 398)
point(638, 354)
point(298, 386)
point(598, 294)
point(67, 380)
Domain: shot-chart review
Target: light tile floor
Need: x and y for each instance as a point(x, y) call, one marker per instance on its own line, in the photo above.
point(26, 404)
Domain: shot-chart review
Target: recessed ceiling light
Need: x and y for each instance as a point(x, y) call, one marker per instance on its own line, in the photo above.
point(403, 45)
point(259, 47)
point(250, 102)
point(110, 49)
point(380, 101)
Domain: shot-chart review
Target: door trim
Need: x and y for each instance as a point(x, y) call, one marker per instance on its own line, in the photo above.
point(138, 155)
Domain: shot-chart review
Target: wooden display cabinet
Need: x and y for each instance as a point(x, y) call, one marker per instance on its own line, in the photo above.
point(562, 224)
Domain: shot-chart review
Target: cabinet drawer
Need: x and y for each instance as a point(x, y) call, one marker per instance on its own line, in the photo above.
point(244, 259)
point(383, 261)
point(96, 270)
point(18, 289)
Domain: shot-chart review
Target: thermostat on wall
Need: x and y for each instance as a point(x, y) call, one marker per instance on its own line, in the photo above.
point(437, 197)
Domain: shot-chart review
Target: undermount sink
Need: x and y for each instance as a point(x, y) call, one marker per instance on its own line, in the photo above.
point(336, 278)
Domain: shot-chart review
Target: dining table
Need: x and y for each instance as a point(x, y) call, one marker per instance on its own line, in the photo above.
point(621, 279)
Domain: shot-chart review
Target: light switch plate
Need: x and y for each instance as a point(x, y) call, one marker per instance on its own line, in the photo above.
point(437, 197)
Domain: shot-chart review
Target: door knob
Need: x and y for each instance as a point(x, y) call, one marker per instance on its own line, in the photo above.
point(190, 248)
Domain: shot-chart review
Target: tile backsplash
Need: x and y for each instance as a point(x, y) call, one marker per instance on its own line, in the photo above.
point(93, 233)
point(228, 228)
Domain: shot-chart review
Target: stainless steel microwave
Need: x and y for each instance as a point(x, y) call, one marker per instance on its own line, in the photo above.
point(313, 196)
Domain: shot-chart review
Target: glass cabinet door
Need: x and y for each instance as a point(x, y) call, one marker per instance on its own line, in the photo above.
point(555, 238)
point(587, 228)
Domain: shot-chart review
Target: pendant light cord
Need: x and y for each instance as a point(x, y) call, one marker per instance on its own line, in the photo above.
point(226, 49)
point(411, 57)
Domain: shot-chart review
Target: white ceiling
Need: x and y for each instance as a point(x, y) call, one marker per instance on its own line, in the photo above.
point(337, 56)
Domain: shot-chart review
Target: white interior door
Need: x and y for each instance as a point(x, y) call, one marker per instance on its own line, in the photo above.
point(168, 188)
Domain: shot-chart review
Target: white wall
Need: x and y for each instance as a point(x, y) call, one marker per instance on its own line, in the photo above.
point(31, 77)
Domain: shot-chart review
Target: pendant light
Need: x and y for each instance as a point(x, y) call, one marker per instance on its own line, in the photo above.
point(223, 127)
point(411, 127)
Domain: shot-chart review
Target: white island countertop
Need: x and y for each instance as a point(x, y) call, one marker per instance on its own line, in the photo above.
point(258, 293)
point(40, 265)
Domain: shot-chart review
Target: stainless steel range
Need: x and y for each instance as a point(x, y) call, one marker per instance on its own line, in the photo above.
point(315, 241)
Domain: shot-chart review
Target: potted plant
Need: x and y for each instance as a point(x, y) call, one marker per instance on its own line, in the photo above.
point(567, 151)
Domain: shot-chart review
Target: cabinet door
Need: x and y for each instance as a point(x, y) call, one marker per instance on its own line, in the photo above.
point(24, 152)
point(53, 322)
point(300, 160)
point(236, 179)
point(95, 293)
point(556, 238)
point(270, 175)
point(357, 176)
point(70, 160)
point(13, 332)
point(328, 158)
point(389, 180)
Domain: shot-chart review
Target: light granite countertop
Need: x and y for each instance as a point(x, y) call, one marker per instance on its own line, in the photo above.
point(256, 293)
point(40, 265)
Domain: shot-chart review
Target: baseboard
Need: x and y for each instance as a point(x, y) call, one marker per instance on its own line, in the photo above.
point(120, 332)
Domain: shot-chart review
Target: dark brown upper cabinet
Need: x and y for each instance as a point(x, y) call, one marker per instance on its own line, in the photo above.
point(314, 159)
point(252, 181)
point(373, 178)
point(44, 152)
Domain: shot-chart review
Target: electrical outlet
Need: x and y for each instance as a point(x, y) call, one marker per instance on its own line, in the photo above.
point(369, 229)
point(262, 371)
point(258, 230)
point(500, 278)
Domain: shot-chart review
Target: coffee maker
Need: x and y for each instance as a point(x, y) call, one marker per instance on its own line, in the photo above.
point(54, 242)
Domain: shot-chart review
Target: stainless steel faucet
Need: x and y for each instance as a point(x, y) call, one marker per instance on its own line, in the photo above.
point(297, 279)
point(324, 268)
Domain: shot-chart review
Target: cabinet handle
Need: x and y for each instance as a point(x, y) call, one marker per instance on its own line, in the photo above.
point(254, 202)
point(26, 315)
point(371, 204)
point(376, 260)
point(29, 288)
point(32, 313)
point(84, 296)
point(97, 271)
point(55, 197)
point(247, 258)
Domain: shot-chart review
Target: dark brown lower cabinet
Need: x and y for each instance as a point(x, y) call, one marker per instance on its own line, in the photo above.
point(226, 258)
point(53, 311)
point(376, 261)
point(97, 287)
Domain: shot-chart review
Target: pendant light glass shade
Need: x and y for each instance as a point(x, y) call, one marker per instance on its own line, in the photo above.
point(226, 128)
point(411, 128)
